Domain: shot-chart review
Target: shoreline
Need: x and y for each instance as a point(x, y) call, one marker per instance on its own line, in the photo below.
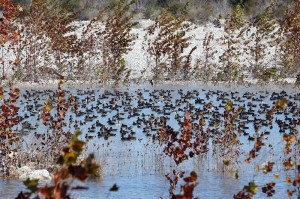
point(290, 82)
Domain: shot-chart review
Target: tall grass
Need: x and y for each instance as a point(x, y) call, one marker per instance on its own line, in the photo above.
point(51, 43)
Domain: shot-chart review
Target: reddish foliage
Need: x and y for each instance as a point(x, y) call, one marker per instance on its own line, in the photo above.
point(9, 119)
point(269, 189)
point(64, 177)
point(188, 188)
point(8, 31)
point(180, 145)
point(254, 152)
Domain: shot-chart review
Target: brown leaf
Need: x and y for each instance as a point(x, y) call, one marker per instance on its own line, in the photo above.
point(78, 172)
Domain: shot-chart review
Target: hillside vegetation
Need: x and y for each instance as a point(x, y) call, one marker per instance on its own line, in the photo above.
point(200, 11)
point(44, 40)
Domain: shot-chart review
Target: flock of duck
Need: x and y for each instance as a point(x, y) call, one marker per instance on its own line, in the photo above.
point(130, 115)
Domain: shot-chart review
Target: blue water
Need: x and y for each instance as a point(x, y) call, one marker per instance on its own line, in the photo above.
point(139, 166)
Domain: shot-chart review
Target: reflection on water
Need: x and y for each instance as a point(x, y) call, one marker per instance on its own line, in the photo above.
point(139, 166)
point(10, 188)
point(212, 185)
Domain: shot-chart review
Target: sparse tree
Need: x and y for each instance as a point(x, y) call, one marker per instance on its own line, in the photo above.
point(290, 46)
point(117, 39)
point(234, 30)
point(262, 37)
point(166, 42)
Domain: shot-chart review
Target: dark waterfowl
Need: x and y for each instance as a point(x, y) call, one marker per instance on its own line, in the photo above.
point(121, 114)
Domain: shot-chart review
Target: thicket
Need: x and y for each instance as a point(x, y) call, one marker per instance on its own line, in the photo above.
point(50, 43)
point(201, 11)
point(117, 39)
point(232, 66)
point(262, 38)
point(290, 44)
point(206, 64)
point(8, 34)
point(43, 41)
point(166, 41)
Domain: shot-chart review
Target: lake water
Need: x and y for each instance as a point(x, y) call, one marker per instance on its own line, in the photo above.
point(139, 166)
